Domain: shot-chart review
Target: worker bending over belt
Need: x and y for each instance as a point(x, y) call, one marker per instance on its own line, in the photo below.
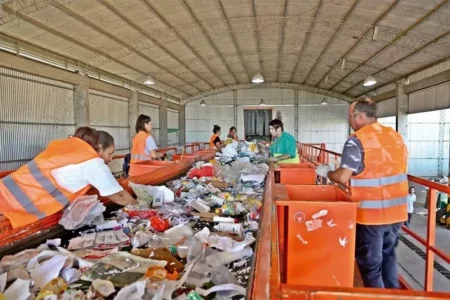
point(143, 145)
point(284, 147)
point(65, 170)
point(214, 141)
point(374, 159)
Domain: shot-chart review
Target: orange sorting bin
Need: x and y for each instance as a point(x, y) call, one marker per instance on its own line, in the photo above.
point(184, 157)
point(319, 237)
point(143, 167)
point(296, 173)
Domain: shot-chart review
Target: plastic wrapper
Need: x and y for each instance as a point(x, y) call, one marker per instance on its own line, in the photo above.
point(224, 258)
point(129, 262)
point(55, 287)
point(231, 209)
point(173, 264)
point(155, 274)
point(143, 193)
point(159, 224)
point(141, 212)
point(10, 262)
point(205, 171)
point(141, 239)
point(229, 151)
point(100, 289)
point(83, 211)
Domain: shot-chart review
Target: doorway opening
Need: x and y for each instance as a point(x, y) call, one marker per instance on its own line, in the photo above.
point(256, 124)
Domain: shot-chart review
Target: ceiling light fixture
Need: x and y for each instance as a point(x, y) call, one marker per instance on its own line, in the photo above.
point(261, 103)
point(343, 64)
point(407, 80)
point(203, 103)
point(149, 80)
point(324, 102)
point(369, 81)
point(258, 78)
point(326, 79)
point(375, 33)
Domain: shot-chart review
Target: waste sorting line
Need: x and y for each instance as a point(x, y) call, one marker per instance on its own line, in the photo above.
point(191, 238)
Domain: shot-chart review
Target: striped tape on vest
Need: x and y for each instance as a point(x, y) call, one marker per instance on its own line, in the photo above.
point(379, 204)
point(377, 182)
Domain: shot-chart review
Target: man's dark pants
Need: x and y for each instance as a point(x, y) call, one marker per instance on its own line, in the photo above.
point(375, 254)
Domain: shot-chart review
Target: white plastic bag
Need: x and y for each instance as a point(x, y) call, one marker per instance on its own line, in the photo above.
point(83, 211)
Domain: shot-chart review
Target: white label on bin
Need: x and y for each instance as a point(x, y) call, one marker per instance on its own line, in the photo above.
point(350, 224)
point(330, 223)
point(299, 217)
point(320, 214)
point(313, 224)
point(343, 241)
point(301, 239)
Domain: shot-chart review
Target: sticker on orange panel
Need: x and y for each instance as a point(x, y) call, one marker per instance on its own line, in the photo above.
point(350, 224)
point(313, 224)
point(320, 214)
point(343, 241)
point(304, 242)
point(299, 217)
point(330, 223)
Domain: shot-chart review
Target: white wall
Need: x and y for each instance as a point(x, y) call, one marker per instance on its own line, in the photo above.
point(317, 123)
point(172, 121)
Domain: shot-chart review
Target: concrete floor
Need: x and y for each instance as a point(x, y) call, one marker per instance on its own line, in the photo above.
point(411, 265)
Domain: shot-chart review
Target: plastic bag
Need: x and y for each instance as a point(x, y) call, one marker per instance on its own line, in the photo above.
point(83, 211)
point(229, 151)
point(159, 224)
point(143, 193)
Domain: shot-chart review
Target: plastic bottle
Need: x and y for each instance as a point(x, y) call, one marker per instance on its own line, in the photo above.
point(173, 264)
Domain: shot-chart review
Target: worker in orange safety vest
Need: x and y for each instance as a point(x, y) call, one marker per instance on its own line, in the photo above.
point(374, 160)
point(214, 141)
point(143, 145)
point(65, 170)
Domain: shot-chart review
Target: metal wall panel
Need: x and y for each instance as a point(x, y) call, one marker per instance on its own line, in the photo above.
point(110, 113)
point(434, 98)
point(172, 121)
point(33, 111)
point(430, 71)
point(152, 111)
point(387, 108)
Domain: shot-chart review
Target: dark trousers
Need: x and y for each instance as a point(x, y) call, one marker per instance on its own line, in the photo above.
point(409, 219)
point(375, 254)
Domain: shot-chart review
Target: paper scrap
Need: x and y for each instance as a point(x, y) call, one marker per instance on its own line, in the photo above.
point(19, 290)
point(222, 287)
point(108, 225)
point(133, 291)
point(3, 279)
point(48, 270)
point(256, 178)
point(82, 242)
point(330, 223)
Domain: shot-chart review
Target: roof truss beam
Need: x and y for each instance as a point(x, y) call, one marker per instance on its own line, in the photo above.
point(280, 49)
point(412, 26)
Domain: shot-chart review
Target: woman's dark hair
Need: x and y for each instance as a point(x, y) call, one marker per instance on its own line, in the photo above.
point(105, 139)
point(216, 129)
point(276, 124)
point(141, 121)
point(232, 128)
point(89, 135)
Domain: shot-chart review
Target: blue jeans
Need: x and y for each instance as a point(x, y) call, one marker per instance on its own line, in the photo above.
point(375, 254)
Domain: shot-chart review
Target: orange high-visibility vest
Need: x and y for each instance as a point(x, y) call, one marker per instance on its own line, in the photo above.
point(382, 188)
point(211, 141)
point(138, 147)
point(31, 193)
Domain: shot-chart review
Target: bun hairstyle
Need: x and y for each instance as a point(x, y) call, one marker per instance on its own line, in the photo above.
point(216, 129)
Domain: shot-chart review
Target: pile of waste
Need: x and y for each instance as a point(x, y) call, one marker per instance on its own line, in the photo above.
point(192, 238)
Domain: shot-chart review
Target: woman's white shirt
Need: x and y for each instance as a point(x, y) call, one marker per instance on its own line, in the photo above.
point(95, 172)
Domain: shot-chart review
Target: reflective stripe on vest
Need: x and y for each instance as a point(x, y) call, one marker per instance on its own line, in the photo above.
point(21, 197)
point(377, 204)
point(377, 182)
point(46, 184)
point(139, 157)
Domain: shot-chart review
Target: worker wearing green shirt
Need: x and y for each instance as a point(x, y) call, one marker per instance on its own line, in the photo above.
point(284, 147)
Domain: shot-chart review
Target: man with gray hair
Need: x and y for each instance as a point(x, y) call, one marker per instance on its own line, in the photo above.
point(374, 160)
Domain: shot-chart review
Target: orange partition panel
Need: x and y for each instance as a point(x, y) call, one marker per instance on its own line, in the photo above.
point(320, 236)
point(302, 173)
point(147, 166)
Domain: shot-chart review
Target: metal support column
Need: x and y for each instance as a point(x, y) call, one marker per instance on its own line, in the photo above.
point(296, 126)
point(402, 103)
point(235, 109)
point(133, 112)
point(81, 102)
point(441, 143)
point(163, 125)
point(182, 125)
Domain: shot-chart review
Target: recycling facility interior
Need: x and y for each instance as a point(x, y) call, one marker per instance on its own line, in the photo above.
point(191, 64)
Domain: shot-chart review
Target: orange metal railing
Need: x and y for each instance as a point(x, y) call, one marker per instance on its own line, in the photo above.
point(318, 154)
